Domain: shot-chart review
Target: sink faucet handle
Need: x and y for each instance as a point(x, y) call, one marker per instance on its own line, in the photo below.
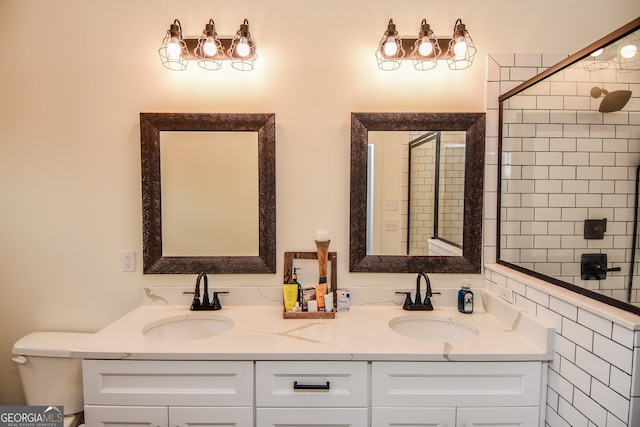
point(215, 305)
point(407, 299)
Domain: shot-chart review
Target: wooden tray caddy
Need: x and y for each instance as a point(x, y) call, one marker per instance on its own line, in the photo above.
point(332, 284)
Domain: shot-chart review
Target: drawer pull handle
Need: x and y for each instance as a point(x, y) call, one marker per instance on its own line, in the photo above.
point(312, 387)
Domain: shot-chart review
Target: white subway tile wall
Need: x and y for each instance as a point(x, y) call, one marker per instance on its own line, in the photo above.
point(594, 378)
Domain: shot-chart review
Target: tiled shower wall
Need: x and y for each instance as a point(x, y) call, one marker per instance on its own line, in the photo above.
point(594, 379)
point(564, 162)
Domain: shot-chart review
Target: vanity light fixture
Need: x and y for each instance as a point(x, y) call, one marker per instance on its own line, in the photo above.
point(462, 51)
point(243, 49)
point(173, 51)
point(208, 50)
point(627, 58)
point(390, 50)
point(427, 49)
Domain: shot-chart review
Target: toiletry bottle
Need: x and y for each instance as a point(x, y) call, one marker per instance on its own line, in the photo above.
point(465, 298)
point(294, 281)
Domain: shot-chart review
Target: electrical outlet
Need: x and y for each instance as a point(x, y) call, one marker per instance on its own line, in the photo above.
point(128, 261)
point(506, 294)
point(391, 225)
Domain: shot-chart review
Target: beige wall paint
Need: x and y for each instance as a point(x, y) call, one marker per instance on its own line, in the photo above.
point(76, 74)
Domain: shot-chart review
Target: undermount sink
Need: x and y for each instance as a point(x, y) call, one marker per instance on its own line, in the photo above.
point(433, 328)
point(186, 328)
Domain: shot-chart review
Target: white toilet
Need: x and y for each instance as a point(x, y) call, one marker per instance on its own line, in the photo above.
point(49, 375)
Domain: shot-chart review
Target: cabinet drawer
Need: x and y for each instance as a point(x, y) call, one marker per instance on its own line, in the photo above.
point(456, 383)
point(124, 416)
point(313, 417)
point(192, 383)
point(293, 384)
point(514, 416)
point(159, 416)
point(423, 417)
point(203, 417)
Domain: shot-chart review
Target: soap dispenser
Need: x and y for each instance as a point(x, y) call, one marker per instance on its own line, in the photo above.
point(465, 298)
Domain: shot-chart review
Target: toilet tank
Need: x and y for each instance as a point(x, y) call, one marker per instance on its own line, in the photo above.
point(49, 375)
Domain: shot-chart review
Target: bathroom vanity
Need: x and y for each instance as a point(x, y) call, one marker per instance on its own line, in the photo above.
point(372, 366)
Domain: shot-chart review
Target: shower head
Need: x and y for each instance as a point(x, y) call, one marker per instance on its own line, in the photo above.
point(613, 101)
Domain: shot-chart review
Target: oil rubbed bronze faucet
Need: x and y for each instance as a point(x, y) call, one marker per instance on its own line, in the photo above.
point(196, 305)
point(419, 304)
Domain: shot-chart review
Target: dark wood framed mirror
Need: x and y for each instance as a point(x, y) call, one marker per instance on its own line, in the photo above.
point(152, 127)
point(473, 124)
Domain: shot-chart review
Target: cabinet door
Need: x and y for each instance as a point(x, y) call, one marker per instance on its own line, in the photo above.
point(325, 417)
point(414, 417)
point(210, 417)
point(503, 417)
point(125, 416)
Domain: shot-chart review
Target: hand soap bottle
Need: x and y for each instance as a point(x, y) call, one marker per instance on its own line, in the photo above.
point(294, 281)
point(465, 298)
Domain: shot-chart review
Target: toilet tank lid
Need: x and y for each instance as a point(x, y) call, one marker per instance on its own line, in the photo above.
point(51, 344)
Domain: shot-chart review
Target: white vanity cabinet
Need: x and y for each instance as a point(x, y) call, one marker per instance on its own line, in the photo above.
point(456, 394)
point(296, 393)
point(167, 393)
point(120, 393)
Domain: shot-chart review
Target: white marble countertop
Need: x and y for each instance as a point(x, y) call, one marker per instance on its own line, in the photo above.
point(503, 333)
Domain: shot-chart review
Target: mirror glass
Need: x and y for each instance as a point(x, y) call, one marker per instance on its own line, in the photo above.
point(209, 202)
point(569, 172)
point(208, 193)
point(415, 197)
point(416, 192)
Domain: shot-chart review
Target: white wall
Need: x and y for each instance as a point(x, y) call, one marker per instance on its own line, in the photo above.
point(76, 74)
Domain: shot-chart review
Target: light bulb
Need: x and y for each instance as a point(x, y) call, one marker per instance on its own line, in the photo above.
point(597, 52)
point(173, 48)
point(209, 47)
point(460, 48)
point(628, 51)
point(426, 47)
point(390, 46)
point(243, 48)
